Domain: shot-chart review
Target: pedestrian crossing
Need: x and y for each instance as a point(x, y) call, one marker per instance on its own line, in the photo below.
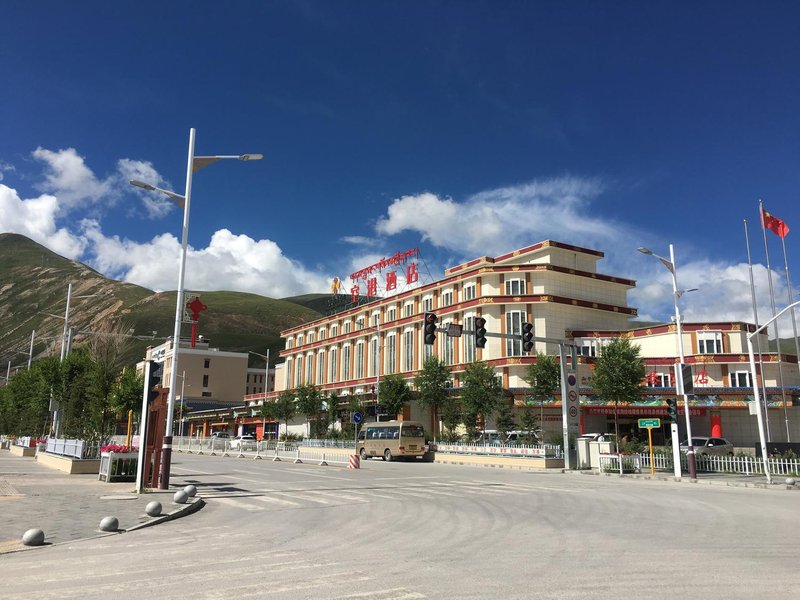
point(283, 499)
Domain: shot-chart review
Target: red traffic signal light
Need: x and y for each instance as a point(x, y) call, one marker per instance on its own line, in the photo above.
point(429, 328)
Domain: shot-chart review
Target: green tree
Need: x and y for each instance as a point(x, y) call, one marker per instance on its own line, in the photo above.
point(309, 403)
point(544, 377)
point(531, 427)
point(618, 374)
point(481, 390)
point(25, 400)
point(78, 418)
point(283, 409)
point(451, 412)
point(394, 393)
point(433, 387)
point(504, 419)
point(127, 393)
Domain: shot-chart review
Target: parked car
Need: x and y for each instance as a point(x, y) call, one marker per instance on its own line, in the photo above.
point(221, 435)
point(597, 437)
point(708, 445)
point(243, 442)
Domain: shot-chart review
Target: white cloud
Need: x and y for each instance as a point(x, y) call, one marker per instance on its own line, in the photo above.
point(6, 168)
point(68, 178)
point(490, 222)
point(155, 203)
point(36, 219)
point(75, 185)
point(723, 294)
point(229, 262)
point(499, 220)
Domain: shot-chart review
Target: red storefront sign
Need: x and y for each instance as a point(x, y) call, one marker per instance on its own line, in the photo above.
point(636, 411)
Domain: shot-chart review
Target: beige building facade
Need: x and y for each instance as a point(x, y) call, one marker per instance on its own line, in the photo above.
point(560, 290)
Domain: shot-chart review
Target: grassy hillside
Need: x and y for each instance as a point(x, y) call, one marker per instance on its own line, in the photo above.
point(33, 292)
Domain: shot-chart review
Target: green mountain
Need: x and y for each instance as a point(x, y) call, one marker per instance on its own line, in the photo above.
point(33, 297)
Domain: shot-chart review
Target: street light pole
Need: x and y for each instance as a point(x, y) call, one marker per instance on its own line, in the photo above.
point(166, 449)
point(266, 389)
point(180, 416)
point(30, 352)
point(679, 378)
point(676, 295)
point(193, 163)
point(754, 384)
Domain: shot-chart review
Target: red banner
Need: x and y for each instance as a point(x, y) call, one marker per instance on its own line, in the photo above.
point(640, 411)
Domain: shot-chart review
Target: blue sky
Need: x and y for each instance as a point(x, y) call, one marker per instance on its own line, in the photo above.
point(462, 128)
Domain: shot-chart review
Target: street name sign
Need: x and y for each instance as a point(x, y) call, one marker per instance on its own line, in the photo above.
point(649, 423)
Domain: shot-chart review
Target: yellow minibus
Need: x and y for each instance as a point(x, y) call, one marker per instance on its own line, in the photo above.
point(392, 439)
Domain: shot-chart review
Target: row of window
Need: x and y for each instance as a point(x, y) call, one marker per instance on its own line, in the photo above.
point(513, 287)
point(708, 342)
point(303, 366)
point(742, 379)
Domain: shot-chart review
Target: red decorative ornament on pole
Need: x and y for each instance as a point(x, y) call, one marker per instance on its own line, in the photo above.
point(196, 307)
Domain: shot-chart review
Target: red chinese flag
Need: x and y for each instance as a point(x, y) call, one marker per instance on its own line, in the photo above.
point(774, 224)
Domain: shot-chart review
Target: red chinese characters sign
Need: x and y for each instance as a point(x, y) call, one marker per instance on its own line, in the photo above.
point(367, 273)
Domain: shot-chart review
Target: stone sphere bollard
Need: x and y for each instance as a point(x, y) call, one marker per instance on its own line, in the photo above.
point(109, 524)
point(153, 508)
point(33, 537)
point(190, 490)
point(180, 497)
point(790, 481)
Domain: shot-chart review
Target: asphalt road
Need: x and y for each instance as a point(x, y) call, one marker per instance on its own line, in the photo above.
point(393, 531)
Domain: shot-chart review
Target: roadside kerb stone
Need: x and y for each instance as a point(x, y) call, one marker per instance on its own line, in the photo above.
point(190, 507)
point(724, 479)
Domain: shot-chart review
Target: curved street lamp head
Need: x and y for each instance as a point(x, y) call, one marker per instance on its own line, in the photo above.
point(251, 157)
point(176, 198)
point(143, 185)
point(642, 249)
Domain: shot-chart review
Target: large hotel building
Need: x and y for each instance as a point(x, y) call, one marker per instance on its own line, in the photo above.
point(559, 289)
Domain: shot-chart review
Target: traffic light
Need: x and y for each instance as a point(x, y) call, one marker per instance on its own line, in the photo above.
point(672, 410)
point(688, 379)
point(480, 332)
point(430, 328)
point(154, 373)
point(527, 337)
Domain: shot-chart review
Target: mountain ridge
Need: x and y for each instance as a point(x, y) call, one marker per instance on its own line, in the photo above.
point(33, 293)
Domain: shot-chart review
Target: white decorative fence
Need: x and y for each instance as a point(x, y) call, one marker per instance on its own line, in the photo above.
point(79, 449)
point(118, 466)
point(705, 463)
point(266, 450)
point(512, 450)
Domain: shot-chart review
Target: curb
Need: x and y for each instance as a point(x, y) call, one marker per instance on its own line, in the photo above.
point(499, 466)
point(701, 481)
point(191, 507)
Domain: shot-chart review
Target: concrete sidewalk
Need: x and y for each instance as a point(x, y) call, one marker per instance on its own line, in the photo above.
point(726, 479)
point(70, 507)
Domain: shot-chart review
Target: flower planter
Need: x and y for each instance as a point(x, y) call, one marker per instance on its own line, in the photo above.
point(118, 466)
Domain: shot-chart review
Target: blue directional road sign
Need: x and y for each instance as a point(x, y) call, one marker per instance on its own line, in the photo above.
point(356, 418)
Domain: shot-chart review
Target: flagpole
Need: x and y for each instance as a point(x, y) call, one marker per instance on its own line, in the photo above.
point(755, 319)
point(794, 327)
point(775, 321)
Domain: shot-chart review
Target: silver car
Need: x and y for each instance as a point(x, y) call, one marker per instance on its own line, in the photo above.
point(709, 445)
point(244, 442)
